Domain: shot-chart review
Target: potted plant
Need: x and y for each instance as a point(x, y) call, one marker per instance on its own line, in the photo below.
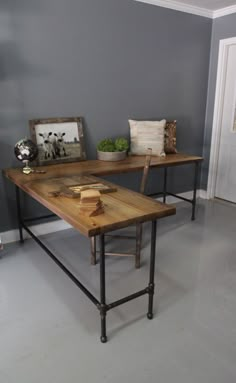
point(112, 150)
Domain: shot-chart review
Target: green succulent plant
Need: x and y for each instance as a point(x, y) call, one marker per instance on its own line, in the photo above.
point(121, 144)
point(108, 145)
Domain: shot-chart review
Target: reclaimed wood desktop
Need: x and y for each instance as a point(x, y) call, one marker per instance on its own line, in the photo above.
point(131, 164)
point(122, 208)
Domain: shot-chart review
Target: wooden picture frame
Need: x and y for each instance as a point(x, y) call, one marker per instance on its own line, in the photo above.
point(59, 140)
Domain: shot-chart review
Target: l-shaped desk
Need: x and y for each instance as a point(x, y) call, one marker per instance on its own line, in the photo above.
point(122, 208)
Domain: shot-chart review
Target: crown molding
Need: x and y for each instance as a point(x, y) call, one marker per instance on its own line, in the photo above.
point(224, 11)
point(175, 5)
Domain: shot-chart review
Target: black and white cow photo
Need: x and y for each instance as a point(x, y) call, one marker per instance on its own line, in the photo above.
point(58, 142)
point(48, 147)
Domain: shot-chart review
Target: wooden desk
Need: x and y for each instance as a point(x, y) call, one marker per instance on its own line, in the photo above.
point(122, 208)
point(130, 164)
point(104, 168)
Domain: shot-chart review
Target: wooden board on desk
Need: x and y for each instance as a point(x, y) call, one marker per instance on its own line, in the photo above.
point(72, 186)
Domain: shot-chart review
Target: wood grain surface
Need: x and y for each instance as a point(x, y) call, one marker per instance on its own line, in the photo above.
point(122, 208)
point(100, 168)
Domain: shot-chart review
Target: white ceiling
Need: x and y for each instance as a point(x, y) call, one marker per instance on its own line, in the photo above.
point(211, 5)
point(207, 8)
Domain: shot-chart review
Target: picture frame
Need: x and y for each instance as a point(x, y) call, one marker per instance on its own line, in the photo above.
point(59, 140)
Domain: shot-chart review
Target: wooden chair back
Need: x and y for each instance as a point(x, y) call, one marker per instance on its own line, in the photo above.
point(146, 170)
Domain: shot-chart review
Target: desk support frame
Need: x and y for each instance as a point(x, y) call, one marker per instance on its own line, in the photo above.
point(165, 193)
point(19, 215)
point(101, 304)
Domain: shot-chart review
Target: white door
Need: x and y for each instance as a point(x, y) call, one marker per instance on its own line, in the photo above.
point(226, 171)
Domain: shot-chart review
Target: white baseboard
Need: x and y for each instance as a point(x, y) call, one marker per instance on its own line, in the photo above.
point(40, 229)
point(58, 225)
point(203, 194)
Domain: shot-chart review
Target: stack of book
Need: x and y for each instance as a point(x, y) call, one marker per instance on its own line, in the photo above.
point(90, 203)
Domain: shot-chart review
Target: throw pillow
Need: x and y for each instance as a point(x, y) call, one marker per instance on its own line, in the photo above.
point(147, 134)
point(170, 137)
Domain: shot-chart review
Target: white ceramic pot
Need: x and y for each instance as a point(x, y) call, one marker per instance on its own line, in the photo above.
point(111, 156)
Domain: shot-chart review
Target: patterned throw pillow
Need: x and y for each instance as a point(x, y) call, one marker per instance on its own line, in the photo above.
point(170, 137)
point(147, 134)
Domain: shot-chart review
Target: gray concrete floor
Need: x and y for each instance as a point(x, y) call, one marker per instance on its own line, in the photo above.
point(49, 331)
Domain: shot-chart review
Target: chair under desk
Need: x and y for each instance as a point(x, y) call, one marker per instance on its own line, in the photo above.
point(122, 209)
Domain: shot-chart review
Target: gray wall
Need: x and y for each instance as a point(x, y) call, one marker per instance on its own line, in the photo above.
point(223, 28)
point(107, 61)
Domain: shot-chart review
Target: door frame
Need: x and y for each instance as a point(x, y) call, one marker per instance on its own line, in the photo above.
point(218, 112)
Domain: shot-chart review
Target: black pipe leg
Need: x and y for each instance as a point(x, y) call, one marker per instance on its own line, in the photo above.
point(103, 307)
point(165, 185)
point(152, 270)
point(93, 250)
point(195, 190)
point(19, 217)
point(139, 231)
